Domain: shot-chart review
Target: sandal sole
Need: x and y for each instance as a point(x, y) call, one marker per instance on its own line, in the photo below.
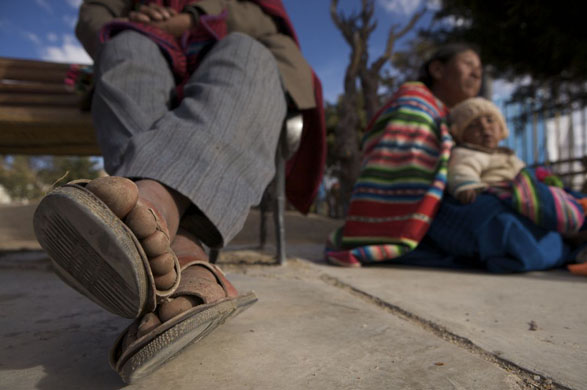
point(188, 328)
point(93, 251)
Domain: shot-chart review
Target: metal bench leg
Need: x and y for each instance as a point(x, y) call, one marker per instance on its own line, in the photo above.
point(213, 257)
point(263, 217)
point(279, 200)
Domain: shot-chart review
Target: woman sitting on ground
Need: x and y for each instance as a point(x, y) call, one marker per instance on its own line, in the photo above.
point(405, 157)
point(399, 210)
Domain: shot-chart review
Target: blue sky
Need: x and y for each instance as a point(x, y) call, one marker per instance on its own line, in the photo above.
point(43, 29)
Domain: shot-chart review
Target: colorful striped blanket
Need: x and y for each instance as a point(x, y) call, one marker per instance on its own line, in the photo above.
point(403, 175)
point(549, 207)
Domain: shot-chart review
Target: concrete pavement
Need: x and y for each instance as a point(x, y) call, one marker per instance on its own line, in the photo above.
point(315, 327)
point(536, 321)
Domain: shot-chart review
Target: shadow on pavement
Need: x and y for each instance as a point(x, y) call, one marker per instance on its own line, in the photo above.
point(53, 336)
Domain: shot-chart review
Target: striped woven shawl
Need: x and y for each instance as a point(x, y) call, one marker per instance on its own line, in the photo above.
point(403, 176)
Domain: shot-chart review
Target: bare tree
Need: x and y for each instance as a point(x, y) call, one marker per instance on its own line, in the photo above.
point(346, 148)
point(370, 75)
point(356, 28)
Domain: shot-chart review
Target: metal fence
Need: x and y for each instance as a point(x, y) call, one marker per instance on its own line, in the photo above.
point(555, 138)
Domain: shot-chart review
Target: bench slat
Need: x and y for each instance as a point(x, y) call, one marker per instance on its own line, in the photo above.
point(29, 74)
point(50, 137)
point(37, 87)
point(6, 63)
point(27, 70)
point(32, 99)
point(45, 116)
point(38, 115)
point(51, 150)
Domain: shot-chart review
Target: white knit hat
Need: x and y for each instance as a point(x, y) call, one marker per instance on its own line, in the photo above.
point(467, 111)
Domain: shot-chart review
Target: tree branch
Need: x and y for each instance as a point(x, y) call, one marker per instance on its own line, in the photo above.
point(411, 23)
point(392, 38)
point(357, 53)
point(346, 25)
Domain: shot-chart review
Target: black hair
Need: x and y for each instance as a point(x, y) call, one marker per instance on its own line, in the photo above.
point(443, 54)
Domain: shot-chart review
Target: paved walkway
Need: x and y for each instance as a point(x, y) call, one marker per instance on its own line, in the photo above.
point(315, 327)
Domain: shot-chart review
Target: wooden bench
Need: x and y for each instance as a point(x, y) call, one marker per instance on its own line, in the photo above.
point(40, 116)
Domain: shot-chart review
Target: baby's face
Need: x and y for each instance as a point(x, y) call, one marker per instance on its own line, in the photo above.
point(483, 131)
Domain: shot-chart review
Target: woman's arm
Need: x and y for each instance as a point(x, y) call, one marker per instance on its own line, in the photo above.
point(93, 14)
point(249, 18)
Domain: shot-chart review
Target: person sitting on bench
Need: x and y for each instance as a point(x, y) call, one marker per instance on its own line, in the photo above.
point(189, 101)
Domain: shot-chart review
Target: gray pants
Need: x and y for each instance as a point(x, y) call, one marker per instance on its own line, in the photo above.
point(217, 147)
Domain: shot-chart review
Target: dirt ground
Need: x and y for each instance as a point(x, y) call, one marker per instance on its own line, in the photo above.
point(16, 229)
point(298, 228)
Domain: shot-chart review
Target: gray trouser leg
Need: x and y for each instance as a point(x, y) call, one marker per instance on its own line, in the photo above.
point(217, 147)
point(134, 86)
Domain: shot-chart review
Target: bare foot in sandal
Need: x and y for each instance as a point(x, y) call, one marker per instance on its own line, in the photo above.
point(152, 213)
point(110, 240)
point(203, 300)
point(187, 249)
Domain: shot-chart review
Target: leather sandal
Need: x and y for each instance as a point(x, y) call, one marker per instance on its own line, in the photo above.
point(135, 357)
point(96, 253)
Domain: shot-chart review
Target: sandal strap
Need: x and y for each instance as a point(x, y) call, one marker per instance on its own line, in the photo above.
point(201, 285)
point(187, 287)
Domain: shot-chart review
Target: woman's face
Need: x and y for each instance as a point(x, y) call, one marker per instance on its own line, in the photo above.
point(458, 79)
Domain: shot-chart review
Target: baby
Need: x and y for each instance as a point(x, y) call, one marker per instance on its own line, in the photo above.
point(477, 162)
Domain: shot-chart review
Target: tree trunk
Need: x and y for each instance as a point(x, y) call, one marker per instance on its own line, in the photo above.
point(370, 85)
point(346, 148)
point(356, 30)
